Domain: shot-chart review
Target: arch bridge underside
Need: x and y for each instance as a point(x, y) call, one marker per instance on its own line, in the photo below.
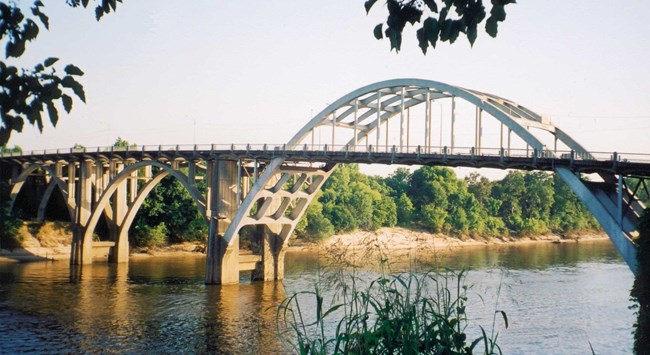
point(263, 199)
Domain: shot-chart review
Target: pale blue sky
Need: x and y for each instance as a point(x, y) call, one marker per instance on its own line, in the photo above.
point(254, 73)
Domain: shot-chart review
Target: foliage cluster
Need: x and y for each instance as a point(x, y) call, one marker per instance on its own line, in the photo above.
point(640, 293)
point(433, 198)
point(9, 226)
point(409, 313)
point(10, 223)
point(349, 200)
point(26, 93)
point(168, 215)
point(444, 20)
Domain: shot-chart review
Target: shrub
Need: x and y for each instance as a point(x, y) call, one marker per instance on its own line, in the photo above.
point(533, 226)
point(9, 227)
point(150, 237)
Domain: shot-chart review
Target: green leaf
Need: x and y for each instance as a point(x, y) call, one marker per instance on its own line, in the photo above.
point(73, 70)
point(98, 13)
point(39, 68)
point(15, 49)
point(106, 6)
point(368, 5)
point(332, 309)
point(491, 27)
point(432, 30)
point(395, 38)
point(471, 34)
point(432, 5)
point(445, 30)
point(498, 12)
point(77, 88)
point(67, 102)
point(44, 19)
point(53, 113)
point(428, 34)
point(505, 317)
point(84, 3)
point(30, 30)
point(38, 3)
point(34, 117)
point(378, 31)
point(423, 41)
point(49, 61)
point(455, 31)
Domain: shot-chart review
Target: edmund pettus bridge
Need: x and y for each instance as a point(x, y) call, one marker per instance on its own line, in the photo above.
point(267, 188)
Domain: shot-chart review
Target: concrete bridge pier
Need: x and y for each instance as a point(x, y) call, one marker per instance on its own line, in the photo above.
point(81, 248)
point(119, 253)
point(222, 201)
point(222, 261)
point(272, 251)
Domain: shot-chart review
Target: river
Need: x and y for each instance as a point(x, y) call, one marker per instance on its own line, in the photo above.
point(559, 299)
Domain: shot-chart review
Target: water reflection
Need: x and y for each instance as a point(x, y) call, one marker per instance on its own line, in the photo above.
point(559, 297)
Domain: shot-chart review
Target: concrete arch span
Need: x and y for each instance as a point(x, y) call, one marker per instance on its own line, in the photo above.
point(124, 216)
point(56, 181)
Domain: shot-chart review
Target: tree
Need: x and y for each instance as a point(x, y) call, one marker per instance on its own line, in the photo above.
point(122, 143)
point(398, 182)
point(510, 191)
point(440, 23)
point(15, 149)
point(26, 93)
point(313, 225)
point(640, 293)
point(568, 213)
point(171, 205)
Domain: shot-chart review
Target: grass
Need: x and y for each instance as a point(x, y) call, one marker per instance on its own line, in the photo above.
point(400, 313)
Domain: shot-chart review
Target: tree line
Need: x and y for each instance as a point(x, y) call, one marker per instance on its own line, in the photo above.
point(436, 200)
point(433, 199)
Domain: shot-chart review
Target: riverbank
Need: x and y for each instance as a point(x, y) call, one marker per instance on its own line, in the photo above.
point(50, 241)
point(396, 239)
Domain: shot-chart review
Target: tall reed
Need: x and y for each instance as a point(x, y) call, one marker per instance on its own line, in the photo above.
point(405, 313)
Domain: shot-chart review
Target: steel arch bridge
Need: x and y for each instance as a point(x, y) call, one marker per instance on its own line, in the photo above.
point(266, 190)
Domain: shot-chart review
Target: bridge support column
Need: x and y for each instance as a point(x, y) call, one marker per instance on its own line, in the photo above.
point(222, 261)
point(81, 249)
point(272, 251)
point(120, 252)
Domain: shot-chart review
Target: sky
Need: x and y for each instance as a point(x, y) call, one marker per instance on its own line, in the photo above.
point(185, 72)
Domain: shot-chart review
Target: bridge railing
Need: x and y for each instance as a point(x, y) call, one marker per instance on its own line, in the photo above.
point(361, 148)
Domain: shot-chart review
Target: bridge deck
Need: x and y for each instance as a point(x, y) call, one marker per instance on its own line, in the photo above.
point(501, 160)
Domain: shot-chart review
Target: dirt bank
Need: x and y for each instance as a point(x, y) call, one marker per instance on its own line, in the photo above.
point(396, 239)
point(51, 241)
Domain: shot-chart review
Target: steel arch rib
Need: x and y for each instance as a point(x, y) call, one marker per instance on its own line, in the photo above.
point(468, 95)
